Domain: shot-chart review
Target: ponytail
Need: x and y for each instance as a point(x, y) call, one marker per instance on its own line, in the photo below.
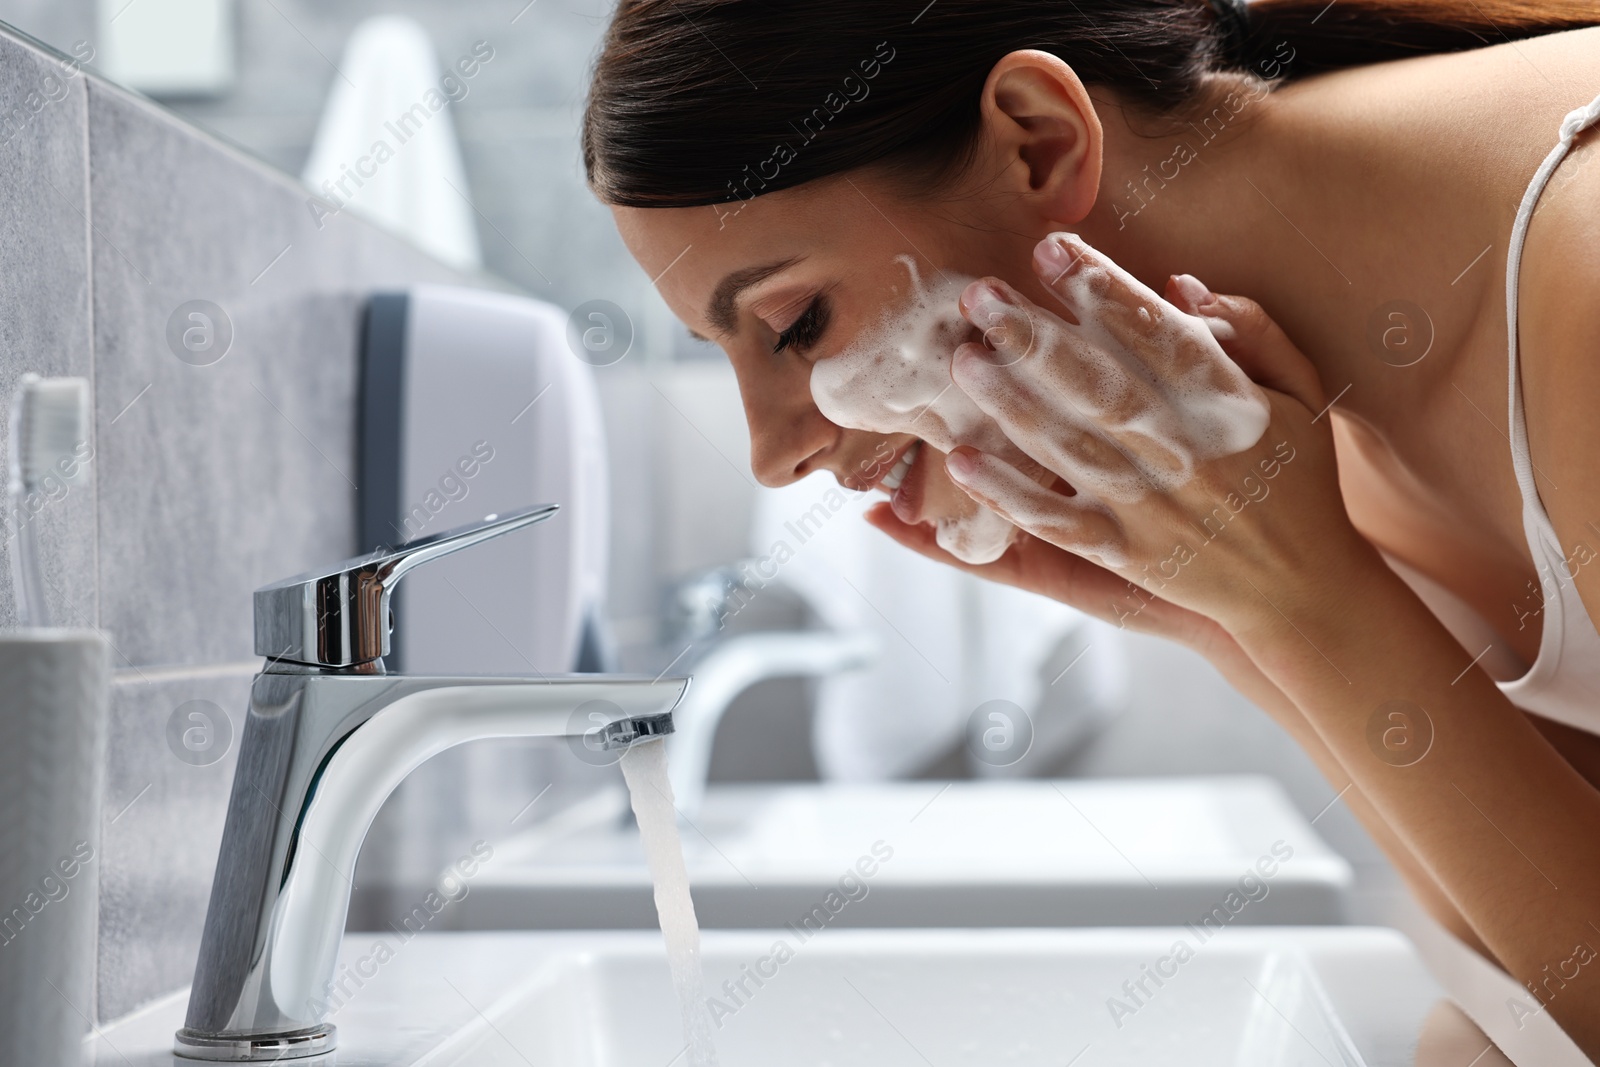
point(1349, 33)
point(699, 102)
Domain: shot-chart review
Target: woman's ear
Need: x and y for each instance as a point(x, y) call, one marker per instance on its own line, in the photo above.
point(1044, 133)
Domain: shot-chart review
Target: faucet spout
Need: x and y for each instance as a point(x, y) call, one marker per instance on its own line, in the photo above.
point(321, 752)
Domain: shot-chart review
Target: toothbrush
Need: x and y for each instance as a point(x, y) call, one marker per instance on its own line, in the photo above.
point(49, 424)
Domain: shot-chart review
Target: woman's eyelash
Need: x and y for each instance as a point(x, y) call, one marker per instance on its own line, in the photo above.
point(806, 330)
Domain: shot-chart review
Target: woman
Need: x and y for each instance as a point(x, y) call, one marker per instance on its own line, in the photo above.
point(1355, 170)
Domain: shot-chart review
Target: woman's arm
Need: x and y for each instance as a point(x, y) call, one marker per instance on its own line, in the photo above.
point(1241, 672)
point(1495, 815)
point(1258, 540)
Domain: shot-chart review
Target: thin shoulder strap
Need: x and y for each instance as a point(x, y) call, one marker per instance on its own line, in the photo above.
point(1574, 124)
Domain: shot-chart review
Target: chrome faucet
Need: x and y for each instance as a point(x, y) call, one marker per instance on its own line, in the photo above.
point(328, 737)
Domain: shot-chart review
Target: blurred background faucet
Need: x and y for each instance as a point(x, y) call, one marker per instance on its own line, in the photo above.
point(328, 737)
point(725, 664)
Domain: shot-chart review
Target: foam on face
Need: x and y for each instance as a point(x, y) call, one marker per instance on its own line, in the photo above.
point(895, 378)
point(1147, 388)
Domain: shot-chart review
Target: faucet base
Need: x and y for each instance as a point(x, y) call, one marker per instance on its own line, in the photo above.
point(255, 1048)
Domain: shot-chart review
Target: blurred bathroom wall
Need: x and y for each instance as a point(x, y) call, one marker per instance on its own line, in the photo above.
point(517, 123)
point(537, 224)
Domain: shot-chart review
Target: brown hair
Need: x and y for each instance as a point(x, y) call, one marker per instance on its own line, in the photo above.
point(708, 101)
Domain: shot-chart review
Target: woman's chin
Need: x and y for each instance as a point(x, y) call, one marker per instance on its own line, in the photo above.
point(982, 537)
point(964, 528)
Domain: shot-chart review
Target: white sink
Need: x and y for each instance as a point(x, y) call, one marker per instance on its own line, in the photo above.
point(1264, 997)
point(967, 1002)
point(1025, 853)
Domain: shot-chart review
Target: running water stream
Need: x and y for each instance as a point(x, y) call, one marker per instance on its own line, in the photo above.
point(644, 765)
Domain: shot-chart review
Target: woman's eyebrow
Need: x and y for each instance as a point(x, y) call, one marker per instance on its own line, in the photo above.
point(722, 311)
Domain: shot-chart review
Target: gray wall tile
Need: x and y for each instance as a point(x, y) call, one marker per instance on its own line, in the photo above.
point(44, 301)
point(160, 829)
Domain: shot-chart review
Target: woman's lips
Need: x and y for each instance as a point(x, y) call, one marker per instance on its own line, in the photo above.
point(891, 479)
point(907, 498)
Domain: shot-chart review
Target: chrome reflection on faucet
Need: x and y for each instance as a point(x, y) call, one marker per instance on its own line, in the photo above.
point(339, 616)
point(328, 737)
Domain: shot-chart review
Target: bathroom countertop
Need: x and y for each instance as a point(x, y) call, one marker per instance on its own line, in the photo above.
point(437, 983)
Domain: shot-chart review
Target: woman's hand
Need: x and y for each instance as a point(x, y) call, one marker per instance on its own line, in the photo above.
point(1207, 481)
point(1043, 568)
point(1264, 355)
point(1267, 357)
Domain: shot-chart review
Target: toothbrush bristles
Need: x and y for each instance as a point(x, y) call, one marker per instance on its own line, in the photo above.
point(54, 422)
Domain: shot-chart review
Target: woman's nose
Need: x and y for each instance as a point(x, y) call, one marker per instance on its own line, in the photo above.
point(787, 441)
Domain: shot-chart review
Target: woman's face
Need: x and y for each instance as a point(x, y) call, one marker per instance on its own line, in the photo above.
point(791, 278)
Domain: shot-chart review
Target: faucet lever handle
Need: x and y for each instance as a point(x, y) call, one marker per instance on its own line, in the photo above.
point(338, 616)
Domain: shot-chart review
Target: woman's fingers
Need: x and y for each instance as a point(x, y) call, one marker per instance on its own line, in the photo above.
point(1068, 402)
point(1044, 413)
point(1251, 339)
point(1154, 337)
point(1038, 566)
point(1071, 269)
point(1134, 395)
point(1077, 523)
point(1112, 305)
point(1185, 402)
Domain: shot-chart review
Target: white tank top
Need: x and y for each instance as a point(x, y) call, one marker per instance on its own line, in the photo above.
point(1564, 682)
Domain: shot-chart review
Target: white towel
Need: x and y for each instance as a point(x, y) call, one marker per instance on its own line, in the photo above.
point(391, 92)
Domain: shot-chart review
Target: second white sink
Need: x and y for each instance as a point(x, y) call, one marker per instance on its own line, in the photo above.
point(1027, 853)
